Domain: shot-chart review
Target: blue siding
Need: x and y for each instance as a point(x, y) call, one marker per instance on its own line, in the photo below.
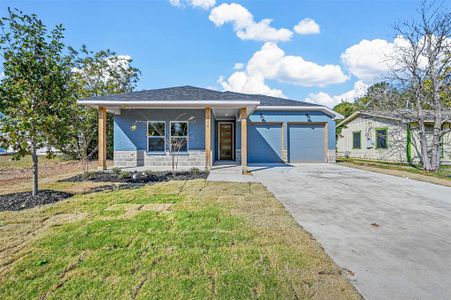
point(306, 143)
point(296, 116)
point(264, 143)
point(125, 139)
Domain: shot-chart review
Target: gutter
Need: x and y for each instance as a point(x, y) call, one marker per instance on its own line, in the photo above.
point(324, 109)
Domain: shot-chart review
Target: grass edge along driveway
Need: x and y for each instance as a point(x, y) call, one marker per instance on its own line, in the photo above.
point(176, 240)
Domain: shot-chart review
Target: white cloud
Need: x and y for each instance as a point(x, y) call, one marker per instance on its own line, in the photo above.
point(117, 68)
point(307, 26)
point(322, 98)
point(270, 62)
point(245, 26)
point(242, 82)
point(238, 66)
point(204, 4)
point(371, 60)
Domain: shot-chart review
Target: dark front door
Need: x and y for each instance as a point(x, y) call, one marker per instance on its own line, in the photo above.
point(225, 141)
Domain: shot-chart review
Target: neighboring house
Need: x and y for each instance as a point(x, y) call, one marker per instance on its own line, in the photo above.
point(385, 136)
point(216, 126)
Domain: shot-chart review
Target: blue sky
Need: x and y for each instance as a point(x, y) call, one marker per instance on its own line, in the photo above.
point(198, 42)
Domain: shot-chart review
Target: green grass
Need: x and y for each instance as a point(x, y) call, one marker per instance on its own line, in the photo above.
point(212, 240)
point(444, 173)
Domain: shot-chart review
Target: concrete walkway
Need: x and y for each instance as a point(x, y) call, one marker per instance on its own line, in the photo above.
point(392, 234)
point(228, 171)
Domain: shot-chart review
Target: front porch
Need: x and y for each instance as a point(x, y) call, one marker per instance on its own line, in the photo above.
point(217, 135)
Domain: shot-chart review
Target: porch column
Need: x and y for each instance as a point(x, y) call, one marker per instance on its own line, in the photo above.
point(207, 138)
point(102, 138)
point(243, 115)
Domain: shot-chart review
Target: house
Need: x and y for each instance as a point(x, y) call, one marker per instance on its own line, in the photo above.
point(386, 136)
point(213, 126)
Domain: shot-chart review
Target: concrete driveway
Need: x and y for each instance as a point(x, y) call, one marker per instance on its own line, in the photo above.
point(391, 234)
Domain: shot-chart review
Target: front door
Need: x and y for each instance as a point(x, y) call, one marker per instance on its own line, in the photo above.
point(225, 141)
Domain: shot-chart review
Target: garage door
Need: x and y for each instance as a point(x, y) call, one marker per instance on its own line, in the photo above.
point(306, 143)
point(264, 143)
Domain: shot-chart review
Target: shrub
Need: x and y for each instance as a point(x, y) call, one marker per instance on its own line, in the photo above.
point(194, 171)
point(148, 173)
point(125, 174)
point(88, 175)
point(116, 170)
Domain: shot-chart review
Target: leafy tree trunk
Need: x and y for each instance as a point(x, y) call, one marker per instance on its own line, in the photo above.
point(35, 168)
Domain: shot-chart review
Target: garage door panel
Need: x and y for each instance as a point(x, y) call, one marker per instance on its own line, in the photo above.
point(264, 143)
point(306, 143)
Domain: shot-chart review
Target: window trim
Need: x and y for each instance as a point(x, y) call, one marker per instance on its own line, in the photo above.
point(157, 137)
point(386, 137)
point(182, 136)
point(360, 137)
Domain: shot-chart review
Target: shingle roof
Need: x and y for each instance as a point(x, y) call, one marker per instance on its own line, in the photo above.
point(197, 94)
point(401, 115)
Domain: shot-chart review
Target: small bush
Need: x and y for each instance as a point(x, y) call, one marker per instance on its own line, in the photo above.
point(194, 171)
point(88, 175)
point(116, 170)
point(125, 174)
point(148, 173)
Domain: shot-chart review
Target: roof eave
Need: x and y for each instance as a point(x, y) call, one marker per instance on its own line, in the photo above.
point(324, 109)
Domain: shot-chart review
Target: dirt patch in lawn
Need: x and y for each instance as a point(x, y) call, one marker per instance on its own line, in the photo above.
point(131, 210)
point(19, 201)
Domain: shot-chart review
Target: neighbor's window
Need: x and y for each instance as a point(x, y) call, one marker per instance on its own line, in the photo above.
point(356, 140)
point(155, 137)
point(381, 138)
point(179, 136)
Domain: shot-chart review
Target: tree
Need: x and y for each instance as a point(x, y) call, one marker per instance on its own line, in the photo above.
point(345, 108)
point(420, 71)
point(94, 74)
point(34, 90)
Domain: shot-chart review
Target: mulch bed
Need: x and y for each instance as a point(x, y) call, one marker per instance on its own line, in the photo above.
point(136, 177)
point(19, 201)
point(130, 180)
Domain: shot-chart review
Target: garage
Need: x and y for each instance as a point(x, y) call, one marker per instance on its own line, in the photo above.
point(265, 142)
point(306, 142)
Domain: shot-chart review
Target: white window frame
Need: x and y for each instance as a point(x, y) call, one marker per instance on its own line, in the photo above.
point(156, 137)
point(187, 136)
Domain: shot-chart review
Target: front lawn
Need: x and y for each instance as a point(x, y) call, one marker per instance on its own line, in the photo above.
point(175, 240)
point(442, 177)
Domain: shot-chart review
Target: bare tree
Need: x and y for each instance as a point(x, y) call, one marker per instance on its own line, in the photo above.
point(174, 144)
point(420, 70)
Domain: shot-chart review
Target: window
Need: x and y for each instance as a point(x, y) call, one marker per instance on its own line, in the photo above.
point(179, 136)
point(357, 140)
point(381, 138)
point(155, 137)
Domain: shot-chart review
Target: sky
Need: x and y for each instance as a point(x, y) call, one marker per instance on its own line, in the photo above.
point(318, 51)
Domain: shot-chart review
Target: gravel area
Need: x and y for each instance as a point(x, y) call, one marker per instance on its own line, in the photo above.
point(19, 201)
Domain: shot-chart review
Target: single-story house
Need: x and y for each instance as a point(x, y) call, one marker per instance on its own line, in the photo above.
point(386, 136)
point(205, 126)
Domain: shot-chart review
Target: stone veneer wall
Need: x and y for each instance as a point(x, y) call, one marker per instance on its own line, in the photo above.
point(238, 155)
point(130, 159)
